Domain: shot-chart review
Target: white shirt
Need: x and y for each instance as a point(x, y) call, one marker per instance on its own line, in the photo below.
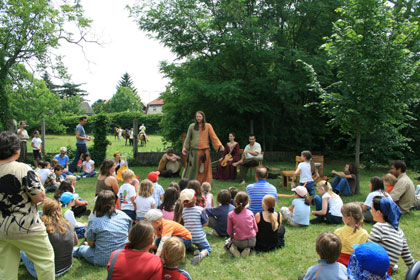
point(23, 136)
point(143, 205)
point(44, 174)
point(305, 172)
point(125, 193)
point(89, 165)
point(37, 143)
point(69, 215)
point(334, 204)
point(254, 148)
point(371, 195)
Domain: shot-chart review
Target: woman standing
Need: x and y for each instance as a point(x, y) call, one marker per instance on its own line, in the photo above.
point(197, 145)
point(225, 170)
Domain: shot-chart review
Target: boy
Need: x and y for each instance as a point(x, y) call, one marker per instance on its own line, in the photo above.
point(88, 167)
point(80, 206)
point(218, 215)
point(36, 147)
point(173, 253)
point(194, 219)
point(158, 192)
point(68, 199)
point(44, 171)
point(127, 194)
point(328, 247)
point(54, 179)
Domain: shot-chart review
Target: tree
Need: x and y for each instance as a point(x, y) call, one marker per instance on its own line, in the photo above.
point(100, 105)
point(125, 100)
point(126, 82)
point(28, 31)
point(100, 143)
point(377, 76)
point(69, 89)
point(72, 105)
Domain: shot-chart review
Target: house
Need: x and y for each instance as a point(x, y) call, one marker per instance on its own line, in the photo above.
point(86, 108)
point(155, 107)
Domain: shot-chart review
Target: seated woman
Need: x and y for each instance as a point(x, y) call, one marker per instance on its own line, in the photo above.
point(107, 231)
point(169, 164)
point(106, 181)
point(61, 235)
point(225, 170)
point(345, 182)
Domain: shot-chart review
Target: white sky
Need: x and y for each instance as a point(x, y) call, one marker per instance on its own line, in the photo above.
point(125, 49)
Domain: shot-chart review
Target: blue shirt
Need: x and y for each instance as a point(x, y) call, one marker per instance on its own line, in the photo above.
point(301, 211)
point(329, 271)
point(157, 193)
point(62, 161)
point(109, 235)
point(194, 218)
point(256, 193)
point(80, 128)
point(221, 215)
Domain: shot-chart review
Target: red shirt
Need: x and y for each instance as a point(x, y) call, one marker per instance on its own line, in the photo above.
point(133, 264)
point(175, 274)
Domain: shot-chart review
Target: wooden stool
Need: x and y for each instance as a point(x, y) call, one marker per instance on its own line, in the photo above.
point(286, 174)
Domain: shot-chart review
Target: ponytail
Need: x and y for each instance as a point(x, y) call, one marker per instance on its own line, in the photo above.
point(241, 200)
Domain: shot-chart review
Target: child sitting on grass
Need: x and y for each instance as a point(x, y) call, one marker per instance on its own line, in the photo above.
point(218, 216)
point(241, 227)
point(158, 189)
point(173, 253)
point(233, 191)
point(88, 166)
point(127, 194)
point(169, 199)
point(194, 219)
point(270, 233)
point(328, 247)
point(298, 213)
point(195, 185)
point(352, 233)
point(144, 201)
point(44, 171)
point(80, 206)
point(206, 191)
point(68, 200)
point(53, 180)
point(389, 182)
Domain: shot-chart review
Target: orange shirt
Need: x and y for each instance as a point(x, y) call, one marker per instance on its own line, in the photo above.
point(171, 228)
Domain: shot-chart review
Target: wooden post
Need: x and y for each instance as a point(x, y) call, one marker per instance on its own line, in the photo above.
point(43, 136)
point(135, 137)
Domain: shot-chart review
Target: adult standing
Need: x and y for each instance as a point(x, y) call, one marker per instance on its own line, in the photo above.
point(23, 137)
point(21, 228)
point(251, 157)
point(259, 189)
point(225, 168)
point(197, 145)
point(81, 139)
point(403, 192)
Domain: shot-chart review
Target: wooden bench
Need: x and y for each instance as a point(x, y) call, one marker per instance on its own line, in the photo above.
point(318, 160)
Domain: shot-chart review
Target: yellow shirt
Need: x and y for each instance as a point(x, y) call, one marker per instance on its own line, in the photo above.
point(349, 238)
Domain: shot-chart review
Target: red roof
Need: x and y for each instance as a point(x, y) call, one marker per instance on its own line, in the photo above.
point(158, 101)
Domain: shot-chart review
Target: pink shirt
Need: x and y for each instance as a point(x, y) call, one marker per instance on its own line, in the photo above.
point(168, 215)
point(241, 226)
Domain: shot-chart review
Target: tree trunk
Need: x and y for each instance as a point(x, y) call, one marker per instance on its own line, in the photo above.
point(357, 158)
point(251, 126)
point(263, 133)
point(4, 102)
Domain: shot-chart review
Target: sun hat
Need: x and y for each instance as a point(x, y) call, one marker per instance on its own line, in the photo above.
point(153, 176)
point(301, 191)
point(153, 215)
point(187, 195)
point(66, 197)
point(368, 261)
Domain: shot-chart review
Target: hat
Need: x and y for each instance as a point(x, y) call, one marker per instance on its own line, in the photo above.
point(417, 178)
point(66, 197)
point(153, 176)
point(368, 261)
point(301, 191)
point(63, 149)
point(153, 215)
point(187, 195)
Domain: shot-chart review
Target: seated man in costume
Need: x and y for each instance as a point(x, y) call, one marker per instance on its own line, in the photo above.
point(169, 164)
point(250, 158)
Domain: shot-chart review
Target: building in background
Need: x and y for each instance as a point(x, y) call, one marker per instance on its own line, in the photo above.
point(86, 108)
point(155, 107)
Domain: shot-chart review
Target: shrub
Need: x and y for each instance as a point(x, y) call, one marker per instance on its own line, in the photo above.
point(100, 124)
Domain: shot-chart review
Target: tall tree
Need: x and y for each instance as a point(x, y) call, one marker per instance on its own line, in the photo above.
point(125, 100)
point(69, 89)
point(377, 76)
point(28, 31)
point(126, 82)
point(100, 105)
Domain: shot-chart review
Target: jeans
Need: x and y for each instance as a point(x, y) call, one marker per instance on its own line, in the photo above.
point(84, 251)
point(310, 187)
point(87, 175)
point(130, 213)
point(204, 246)
point(341, 185)
point(329, 218)
point(187, 243)
point(31, 268)
point(51, 188)
point(80, 149)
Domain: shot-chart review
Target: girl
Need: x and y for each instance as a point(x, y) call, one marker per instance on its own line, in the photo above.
point(208, 196)
point(298, 213)
point(345, 182)
point(306, 169)
point(352, 233)
point(195, 185)
point(127, 194)
point(389, 182)
point(329, 207)
point(386, 232)
point(88, 167)
point(241, 227)
point(269, 224)
point(144, 201)
point(169, 199)
point(376, 187)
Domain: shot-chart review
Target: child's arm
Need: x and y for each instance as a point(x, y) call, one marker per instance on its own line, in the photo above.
point(257, 218)
point(323, 211)
point(294, 177)
point(92, 169)
point(76, 240)
point(133, 199)
point(84, 167)
point(291, 207)
point(212, 200)
point(406, 254)
point(78, 202)
point(204, 218)
point(33, 146)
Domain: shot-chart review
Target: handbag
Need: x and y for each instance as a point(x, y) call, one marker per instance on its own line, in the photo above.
point(111, 265)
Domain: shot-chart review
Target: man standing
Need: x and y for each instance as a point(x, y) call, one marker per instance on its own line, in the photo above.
point(259, 189)
point(81, 139)
point(63, 160)
point(23, 136)
point(250, 158)
point(403, 192)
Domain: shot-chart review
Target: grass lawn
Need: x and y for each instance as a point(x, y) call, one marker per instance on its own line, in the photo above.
point(286, 263)
point(53, 143)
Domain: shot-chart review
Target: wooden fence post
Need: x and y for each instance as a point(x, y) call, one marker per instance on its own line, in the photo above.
point(135, 137)
point(43, 136)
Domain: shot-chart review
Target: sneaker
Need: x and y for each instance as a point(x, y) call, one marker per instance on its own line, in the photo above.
point(234, 250)
point(317, 220)
point(197, 258)
point(245, 252)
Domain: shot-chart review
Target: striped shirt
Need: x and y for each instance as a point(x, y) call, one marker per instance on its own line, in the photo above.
point(256, 193)
point(393, 241)
point(194, 218)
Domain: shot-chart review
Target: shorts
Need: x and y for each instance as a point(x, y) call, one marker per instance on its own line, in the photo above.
point(37, 154)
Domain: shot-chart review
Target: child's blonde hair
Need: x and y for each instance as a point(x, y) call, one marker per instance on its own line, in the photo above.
point(127, 174)
point(354, 210)
point(146, 188)
point(173, 252)
point(205, 187)
point(71, 178)
point(390, 179)
point(270, 202)
point(54, 162)
point(326, 186)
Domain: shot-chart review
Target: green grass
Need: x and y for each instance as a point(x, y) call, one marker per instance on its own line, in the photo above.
point(286, 263)
point(53, 143)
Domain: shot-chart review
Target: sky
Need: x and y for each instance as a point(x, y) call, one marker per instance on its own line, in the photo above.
point(125, 48)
